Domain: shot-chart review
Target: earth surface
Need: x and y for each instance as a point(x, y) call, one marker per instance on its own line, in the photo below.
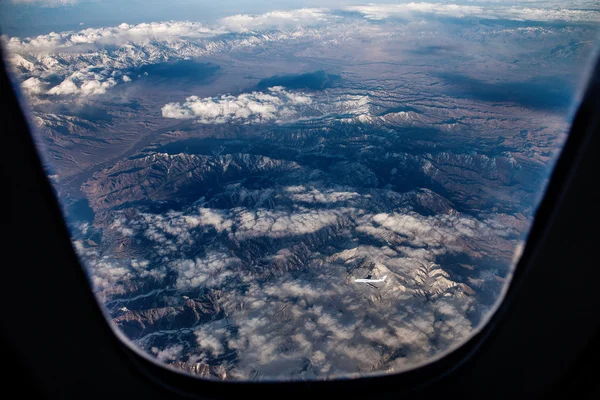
point(226, 182)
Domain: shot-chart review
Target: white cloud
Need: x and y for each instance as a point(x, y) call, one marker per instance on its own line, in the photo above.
point(278, 322)
point(210, 337)
point(83, 83)
point(120, 225)
point(277, 20)
point(123, 34)
point(276, 224)
point(169, 353)
point(335, 326)
point(46, 3)
point(313, 195)
point(208, 271)
point(114, 277)
point(519, 13)
point(427, 237)
point(215, 218)
point(241, 223)
point(382, 11)
point(276, 105)
point(60, 55)
point(34, 86)
point(117, 48)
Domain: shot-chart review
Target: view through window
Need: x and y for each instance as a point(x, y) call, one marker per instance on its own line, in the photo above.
point(298, 189)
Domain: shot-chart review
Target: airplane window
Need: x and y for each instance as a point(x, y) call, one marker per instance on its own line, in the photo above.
point(299, 190)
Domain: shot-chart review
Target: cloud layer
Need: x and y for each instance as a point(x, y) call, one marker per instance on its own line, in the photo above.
point(555, 12)
point(127, 46)
point(83, 83)
point(279, 20)
point(124, 34)
point(292, 306)
point(276, 105)
point(46, 3)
